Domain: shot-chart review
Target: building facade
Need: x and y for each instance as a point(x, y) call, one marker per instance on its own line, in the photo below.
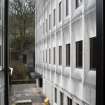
point(65, 50)
point(1, 58)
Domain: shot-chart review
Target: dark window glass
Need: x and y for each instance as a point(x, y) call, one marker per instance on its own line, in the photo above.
point(60, 55)
point(49, 56)
point(54, 17)
point(46, 56)
point(55, 95)
point(43, 56)
point(93, 53)
point(49, 22)
point(68, 55)
point(67, 7)
point(79, 54)
point(24, 58)
point(61, 98)
point(46, 25)
point(60, 11)
point(69, 101)
point(78, 3)
point(0, 55)
point(54, 55)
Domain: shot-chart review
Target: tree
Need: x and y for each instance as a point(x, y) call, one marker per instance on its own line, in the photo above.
point(21, 24)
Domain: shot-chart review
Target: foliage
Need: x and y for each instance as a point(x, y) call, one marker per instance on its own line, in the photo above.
point(21, 24)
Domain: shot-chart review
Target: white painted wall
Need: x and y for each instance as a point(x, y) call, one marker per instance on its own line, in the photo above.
point(80, 24)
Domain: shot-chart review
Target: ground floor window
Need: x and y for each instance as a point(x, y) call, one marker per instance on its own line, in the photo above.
point(61, 98)
point(69, 101)
point(55, 95)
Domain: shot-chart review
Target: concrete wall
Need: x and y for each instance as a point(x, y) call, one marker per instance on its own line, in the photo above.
point(77, 83)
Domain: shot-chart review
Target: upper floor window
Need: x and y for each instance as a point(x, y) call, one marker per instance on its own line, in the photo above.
point(0, 55)
point(43, 56)
point(93, 55)
point(49, 56)
point(54, 17)
point(69, 101)
point(60, 10)
point(46, 25)
point(43, 28)
point(78, 3)
point(67, 7)
point(60, 55)
point(49, 22)
point(46, 56)
point(0, 9)
point(54, 55)
point(79, 54)
point(68, 55)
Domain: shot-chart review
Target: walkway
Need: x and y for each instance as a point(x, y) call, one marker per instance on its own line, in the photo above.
point(27, 91)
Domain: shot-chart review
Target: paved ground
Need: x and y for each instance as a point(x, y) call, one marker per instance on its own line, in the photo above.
point(27, 91)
